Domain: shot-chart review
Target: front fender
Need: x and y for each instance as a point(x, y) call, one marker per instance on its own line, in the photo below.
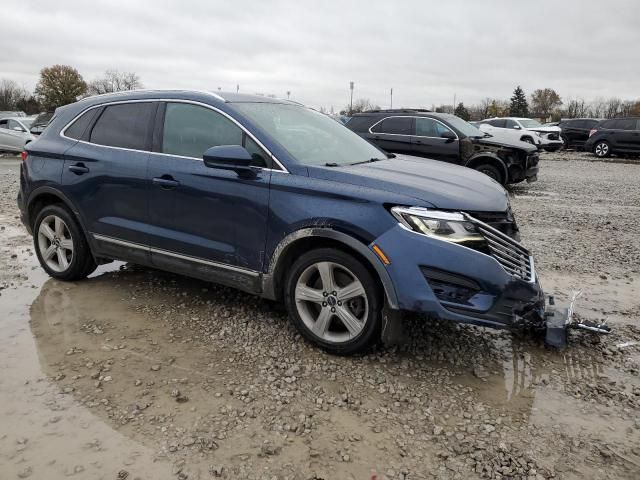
point(480, 157)
point(269, 278)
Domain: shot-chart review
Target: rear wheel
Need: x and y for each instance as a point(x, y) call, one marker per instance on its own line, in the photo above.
point(60, 244)
point(602, 149)
point(334, 301)
point(491, 171)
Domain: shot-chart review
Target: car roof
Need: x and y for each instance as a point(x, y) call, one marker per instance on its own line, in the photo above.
point(403, 113)
point(226, 97)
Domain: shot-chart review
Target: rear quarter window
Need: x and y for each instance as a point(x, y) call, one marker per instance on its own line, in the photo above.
point(360, 124)
point(79, 126)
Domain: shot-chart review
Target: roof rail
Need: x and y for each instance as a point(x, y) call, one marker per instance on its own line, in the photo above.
point(397, 110)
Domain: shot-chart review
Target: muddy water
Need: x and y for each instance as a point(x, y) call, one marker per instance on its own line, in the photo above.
point(152, 375)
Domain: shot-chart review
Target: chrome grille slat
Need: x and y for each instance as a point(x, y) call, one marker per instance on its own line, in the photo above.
point(512, 257)
point(504, 251)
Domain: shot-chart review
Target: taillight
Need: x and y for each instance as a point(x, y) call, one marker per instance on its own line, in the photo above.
point(24, 155)
point(593, 130)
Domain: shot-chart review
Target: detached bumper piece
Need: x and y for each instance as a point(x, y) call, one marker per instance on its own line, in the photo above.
point(560, 319)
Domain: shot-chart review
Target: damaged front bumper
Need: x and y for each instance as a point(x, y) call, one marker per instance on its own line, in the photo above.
point(452, 282)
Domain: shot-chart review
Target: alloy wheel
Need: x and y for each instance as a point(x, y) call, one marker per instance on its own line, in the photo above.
point(55, 243)
point(331, 301)
point(602, 149)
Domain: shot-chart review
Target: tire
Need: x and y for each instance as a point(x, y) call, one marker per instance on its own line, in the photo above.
point(60, 244)
point(565, 142)
point(316, 296)
point(491, 171)
point(601, 149)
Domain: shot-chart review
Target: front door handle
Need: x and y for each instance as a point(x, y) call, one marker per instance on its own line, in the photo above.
point(166, 182)
point(79, 169)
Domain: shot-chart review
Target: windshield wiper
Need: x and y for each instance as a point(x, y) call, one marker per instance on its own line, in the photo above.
point(371, 160)
point(331, 164)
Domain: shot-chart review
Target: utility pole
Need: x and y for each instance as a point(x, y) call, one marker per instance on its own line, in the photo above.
point(288, 94)
point(351, 102)
point(237, 87)
point(454, 103)
point(391, 97)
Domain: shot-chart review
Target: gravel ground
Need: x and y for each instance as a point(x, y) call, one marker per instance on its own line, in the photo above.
point(135, 373)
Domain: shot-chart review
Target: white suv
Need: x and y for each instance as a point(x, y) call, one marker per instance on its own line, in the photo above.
point(550, 136)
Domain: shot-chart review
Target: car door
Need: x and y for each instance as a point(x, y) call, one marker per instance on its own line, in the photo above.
point(393, 134)
point(12, 135)
point(625, 133)
point(5, 135)
point(105, 175)
point(428, 141)
point(205, 218)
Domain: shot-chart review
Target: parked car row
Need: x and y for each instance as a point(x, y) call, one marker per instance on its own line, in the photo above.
point(281, 201)
point(448, 138)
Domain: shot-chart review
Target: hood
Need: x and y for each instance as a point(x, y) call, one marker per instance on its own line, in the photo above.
point(546, 129)
point(508, 138)
point(444, 186)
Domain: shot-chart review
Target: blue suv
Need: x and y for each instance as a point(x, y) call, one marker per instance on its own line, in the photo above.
point(278, 200)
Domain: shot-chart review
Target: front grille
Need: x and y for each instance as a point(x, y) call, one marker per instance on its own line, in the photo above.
point(514, 258)
point(501, 221)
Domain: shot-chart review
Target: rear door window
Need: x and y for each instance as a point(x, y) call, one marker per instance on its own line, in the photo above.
point(395, 126)
point(625, 124)
point(508, 123)
point(124, 125)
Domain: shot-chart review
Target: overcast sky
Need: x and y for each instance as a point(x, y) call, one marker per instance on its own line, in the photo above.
point(426, 50)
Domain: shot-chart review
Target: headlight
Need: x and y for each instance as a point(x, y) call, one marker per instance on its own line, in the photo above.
point(447, 226)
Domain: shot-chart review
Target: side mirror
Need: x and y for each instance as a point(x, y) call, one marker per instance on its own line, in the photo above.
point(517, 127)
point(230, 157)
point(449, 135)
point(18, 129)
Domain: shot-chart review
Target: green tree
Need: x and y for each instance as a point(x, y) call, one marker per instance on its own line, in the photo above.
point(544, 102)
point(462, 112)
point(58, 86)
point(519, 106)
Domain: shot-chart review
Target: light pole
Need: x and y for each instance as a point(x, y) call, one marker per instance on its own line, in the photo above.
point(237, 87)
point(351, 101)
point(391, 97)
point(288, 94)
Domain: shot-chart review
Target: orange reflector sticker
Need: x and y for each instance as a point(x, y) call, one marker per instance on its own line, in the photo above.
point(378, 251)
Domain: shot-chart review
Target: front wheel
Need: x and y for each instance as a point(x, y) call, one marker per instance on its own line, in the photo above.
point(334, 301)
point(60, 244)
point(602, 149)
point(491, 171)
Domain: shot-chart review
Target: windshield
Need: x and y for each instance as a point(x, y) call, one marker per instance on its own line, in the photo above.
point(310, 137)
point(529, 123)
point(464, 127)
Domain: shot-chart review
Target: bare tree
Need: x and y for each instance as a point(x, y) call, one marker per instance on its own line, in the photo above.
point(11, 94)
point(359, 105)
point(544, 102)
point(576, 109)
point(114, 81)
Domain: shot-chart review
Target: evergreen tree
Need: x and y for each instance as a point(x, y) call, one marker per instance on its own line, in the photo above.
point(519, 106)
point(462, 112)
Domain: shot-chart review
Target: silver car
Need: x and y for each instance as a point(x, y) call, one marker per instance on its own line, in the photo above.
point(14, 133)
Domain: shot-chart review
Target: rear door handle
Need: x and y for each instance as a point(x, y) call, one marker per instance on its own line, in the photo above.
point(78, 169)
point(166, 182)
